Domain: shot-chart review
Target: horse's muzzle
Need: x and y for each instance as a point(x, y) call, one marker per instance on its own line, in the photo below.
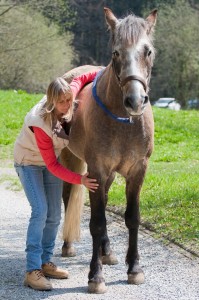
point(134, 105)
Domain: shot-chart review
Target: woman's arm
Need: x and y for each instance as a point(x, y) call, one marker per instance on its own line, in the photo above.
point(46, 149)
point(80, 81)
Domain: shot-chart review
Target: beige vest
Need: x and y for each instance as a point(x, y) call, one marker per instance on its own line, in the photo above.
point(26, 151)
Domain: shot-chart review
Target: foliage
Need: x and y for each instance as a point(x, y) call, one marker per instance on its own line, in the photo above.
point(92, 48)
point(59, 12)
point(176, 71)
point(32, 53)
point(194, 4)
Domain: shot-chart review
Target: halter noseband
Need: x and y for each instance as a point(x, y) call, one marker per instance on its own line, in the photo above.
point(134, 77)
point(128, 78)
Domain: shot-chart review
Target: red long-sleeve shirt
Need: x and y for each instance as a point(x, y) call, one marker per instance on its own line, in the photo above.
point(45, 143)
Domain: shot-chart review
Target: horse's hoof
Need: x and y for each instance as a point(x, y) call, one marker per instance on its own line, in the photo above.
point(68, 251)
point(136, 278)
point(97, 288)
point(110, 259)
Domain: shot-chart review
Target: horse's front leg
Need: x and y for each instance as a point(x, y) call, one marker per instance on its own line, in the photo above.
point(132, 219)
point(96, 283)
point(108, 256)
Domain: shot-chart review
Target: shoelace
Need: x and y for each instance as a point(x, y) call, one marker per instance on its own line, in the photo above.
point(51, 264)
point(39, 273)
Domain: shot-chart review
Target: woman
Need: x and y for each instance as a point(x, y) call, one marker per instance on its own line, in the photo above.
point(36, 151)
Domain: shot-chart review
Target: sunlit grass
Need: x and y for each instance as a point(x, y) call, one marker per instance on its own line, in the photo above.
point(13, 108)
point(12, 182)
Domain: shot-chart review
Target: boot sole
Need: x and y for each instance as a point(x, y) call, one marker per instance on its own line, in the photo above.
point(55, 276)
point(36, 287)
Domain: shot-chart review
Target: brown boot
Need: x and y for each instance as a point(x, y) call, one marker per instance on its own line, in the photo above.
point(51, 270)
point(37, 281)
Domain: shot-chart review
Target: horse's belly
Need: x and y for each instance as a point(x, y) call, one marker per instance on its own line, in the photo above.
point(76, 146)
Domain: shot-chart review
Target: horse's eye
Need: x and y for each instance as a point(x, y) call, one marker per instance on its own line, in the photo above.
point(115, 53)
point(147, 51)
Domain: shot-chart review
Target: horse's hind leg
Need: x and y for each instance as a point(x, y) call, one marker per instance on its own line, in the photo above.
point(68, 249)
point(132, 220)
point(108, 257)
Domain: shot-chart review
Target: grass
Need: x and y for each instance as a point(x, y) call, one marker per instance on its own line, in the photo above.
point(12, 182)
point(13, 107)
point(170, 194)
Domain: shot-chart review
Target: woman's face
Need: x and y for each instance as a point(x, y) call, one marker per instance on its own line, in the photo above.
point(63, 104)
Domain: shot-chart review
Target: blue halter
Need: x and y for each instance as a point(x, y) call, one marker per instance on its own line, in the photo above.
point(101, 104)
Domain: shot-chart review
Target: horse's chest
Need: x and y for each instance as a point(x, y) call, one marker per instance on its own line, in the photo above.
point(123, 148)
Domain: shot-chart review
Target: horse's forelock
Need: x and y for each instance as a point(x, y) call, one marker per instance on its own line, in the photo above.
point(129, 30)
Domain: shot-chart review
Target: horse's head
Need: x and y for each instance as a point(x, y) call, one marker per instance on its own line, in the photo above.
point(132, 57)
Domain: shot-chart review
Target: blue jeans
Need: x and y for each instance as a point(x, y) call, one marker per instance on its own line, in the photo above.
point(44, 193)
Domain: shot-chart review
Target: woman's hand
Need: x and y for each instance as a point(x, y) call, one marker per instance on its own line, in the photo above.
point(90, 183)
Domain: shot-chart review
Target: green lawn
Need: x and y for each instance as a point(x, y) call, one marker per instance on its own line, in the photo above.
point(170, 194)
point(13, 108)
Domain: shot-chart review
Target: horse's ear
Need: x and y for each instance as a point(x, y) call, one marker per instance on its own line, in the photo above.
point(110, 18)
point(151, 20)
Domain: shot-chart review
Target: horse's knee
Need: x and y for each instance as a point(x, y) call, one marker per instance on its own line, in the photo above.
point(132, 218)
point(132, 223)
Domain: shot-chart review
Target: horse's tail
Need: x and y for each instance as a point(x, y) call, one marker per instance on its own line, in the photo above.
point(75, 201)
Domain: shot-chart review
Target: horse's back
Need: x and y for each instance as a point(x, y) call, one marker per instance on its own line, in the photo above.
point(70, 75)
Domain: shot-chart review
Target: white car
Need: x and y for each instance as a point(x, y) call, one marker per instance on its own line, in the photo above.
point(170, 103)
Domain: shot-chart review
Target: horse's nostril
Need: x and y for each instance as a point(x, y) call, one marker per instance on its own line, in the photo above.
point(146, 99)
point(127, 102)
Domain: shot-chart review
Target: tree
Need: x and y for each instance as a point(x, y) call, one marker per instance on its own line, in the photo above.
point(90, 29)
point(32, 53)
point(194, 4)
point(176, 71)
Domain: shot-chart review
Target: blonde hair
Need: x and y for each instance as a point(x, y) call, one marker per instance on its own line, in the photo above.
point(55, 89)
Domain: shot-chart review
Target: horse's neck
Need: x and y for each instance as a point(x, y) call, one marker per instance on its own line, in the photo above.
point(109, 90)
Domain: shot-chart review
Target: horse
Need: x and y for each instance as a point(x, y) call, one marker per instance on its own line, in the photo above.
point(113, 132)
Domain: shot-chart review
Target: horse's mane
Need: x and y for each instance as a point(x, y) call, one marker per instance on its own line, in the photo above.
point(129, 30)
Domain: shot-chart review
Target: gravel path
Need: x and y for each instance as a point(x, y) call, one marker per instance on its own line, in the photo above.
point(170, 273)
